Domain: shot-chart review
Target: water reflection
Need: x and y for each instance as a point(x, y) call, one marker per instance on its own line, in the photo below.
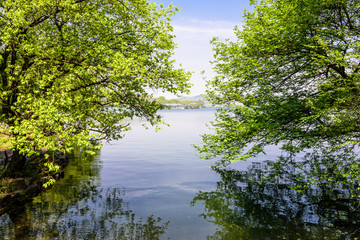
point(78, 208)
point(244, 209)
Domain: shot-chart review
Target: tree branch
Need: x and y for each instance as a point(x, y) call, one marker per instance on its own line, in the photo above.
point(89, 85)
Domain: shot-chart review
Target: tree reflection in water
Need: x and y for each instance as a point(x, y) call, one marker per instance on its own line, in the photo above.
point(244, 209)
point(77, 208)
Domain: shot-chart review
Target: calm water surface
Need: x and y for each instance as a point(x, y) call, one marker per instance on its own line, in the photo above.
point(140, 187)
point(152, 186)
point(161, 174)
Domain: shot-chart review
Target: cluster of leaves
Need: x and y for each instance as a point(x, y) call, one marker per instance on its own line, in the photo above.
point(74, 70)
point(291, 79)
point(51, 168)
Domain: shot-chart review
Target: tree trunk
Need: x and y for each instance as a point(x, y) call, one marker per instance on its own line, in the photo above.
point(15, 166)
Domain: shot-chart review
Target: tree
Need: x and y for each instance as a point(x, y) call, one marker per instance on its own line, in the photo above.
point(290, 79)
point(74, 71)
point(161, 99)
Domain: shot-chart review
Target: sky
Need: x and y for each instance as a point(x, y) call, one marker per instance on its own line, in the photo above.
point(194, 26)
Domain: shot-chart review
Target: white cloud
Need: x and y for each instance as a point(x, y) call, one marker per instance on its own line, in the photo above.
point(222, 29)
point(208, 31)
point(194, 49)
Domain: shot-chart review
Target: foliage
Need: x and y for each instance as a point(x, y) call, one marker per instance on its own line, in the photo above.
point(53, 167)
point(75, 70)
point(291, 79)
point(49, 183)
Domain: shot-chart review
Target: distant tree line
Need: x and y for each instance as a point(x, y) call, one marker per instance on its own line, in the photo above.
point(184, 103)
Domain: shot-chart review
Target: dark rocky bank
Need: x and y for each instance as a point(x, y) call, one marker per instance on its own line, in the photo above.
point(16, 191)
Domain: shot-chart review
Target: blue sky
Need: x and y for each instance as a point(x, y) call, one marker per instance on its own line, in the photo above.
point(195, 25)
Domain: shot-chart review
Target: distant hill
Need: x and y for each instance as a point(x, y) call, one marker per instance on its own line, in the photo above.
point(196, 98)
point(193, 98)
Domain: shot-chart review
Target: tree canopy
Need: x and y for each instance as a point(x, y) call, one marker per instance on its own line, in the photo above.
point(72, 71)
point(290, 79)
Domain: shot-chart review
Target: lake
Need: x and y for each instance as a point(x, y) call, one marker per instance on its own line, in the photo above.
point(151, 185)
